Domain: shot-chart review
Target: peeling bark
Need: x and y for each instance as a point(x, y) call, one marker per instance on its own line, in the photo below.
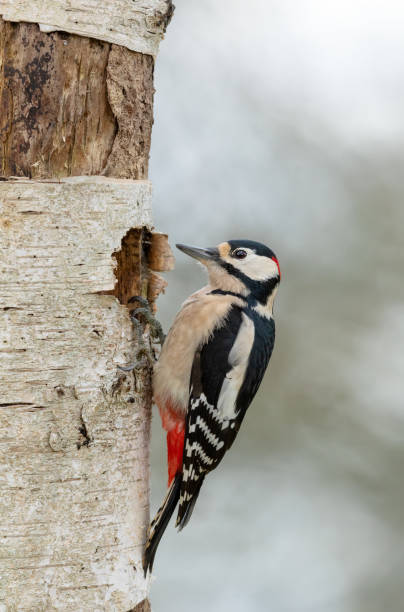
point(160, 256)
point(137, 25)
point(130, 94)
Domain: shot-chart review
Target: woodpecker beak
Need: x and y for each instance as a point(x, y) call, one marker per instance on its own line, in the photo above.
point(197, 253)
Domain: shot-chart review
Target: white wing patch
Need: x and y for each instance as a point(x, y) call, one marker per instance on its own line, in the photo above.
point(238, 359)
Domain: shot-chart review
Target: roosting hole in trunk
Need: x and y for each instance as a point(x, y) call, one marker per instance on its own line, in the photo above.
point(131, 266)
point(142, 253)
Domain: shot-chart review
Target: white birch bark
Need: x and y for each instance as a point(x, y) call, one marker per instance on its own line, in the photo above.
point(74, 429)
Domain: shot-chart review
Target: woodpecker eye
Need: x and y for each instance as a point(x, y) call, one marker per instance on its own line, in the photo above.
point(240, 253)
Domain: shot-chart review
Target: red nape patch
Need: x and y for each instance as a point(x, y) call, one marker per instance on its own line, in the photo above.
point(175, 447)
point(277, 263)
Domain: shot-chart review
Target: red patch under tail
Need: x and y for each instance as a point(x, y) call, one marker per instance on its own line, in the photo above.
point(175, 447)
point(174, 424)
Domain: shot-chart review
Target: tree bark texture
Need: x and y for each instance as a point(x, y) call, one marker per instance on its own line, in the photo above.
point(76, 243)
point(72, 105)
point(74, 428)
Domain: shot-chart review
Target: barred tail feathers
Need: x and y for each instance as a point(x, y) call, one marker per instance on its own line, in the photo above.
point(160, 522)
point(187, 501)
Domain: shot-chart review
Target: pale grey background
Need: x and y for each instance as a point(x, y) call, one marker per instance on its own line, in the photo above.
point(282, 121)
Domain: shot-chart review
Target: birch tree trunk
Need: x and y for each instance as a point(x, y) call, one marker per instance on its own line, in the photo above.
point(76, 95)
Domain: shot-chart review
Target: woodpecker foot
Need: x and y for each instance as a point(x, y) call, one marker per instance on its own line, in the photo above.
point(156, 332)
point(156, 329)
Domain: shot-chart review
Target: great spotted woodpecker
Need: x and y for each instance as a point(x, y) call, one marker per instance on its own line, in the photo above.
point(210, 367)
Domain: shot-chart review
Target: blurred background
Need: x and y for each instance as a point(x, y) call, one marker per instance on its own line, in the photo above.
point(283, 122)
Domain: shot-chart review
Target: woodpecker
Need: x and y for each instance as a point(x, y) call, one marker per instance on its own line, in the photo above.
point(209, 370)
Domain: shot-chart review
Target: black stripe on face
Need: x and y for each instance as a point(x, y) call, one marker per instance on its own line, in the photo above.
point(261, 290)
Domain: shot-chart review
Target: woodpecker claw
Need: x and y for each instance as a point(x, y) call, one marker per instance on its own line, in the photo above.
point(156, 332)
point(130, 368)
point(140, 299)
point(155, 325)
point(156, 329)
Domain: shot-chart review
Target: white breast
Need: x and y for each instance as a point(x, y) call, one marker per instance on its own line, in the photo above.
point(238, 359)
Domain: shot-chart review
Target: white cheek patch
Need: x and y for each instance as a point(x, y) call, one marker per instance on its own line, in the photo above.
point(256, 267)
point(238, 359)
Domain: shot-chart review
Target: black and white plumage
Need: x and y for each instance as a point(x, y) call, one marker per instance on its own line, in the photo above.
point(220, 374)
point(210, 368)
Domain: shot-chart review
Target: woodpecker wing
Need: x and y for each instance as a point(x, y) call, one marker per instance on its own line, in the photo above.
point(226, 374)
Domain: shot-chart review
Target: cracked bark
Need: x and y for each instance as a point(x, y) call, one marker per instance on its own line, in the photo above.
point(74, 247)
point(72, 105)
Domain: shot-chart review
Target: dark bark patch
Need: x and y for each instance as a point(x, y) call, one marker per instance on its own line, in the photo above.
point(143, 606)
point(72, 105)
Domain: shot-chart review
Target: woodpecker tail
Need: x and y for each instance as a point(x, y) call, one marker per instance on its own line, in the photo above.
point(188, 495)
point(160, 522)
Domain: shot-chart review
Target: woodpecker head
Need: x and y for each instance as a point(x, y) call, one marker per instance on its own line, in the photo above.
point(240, 266)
